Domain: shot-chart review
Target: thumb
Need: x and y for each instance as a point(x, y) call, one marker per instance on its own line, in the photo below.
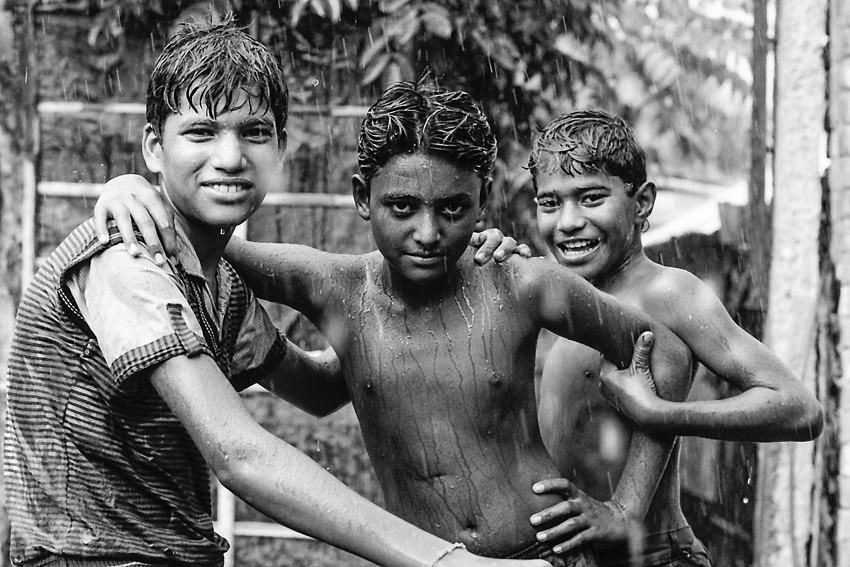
point(643, 348)
point(640, 357)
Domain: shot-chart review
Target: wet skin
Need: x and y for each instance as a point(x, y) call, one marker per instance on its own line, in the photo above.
point(439, 354)
point(592, 226)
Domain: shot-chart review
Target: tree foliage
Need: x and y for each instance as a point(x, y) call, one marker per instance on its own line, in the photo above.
point(678, 70)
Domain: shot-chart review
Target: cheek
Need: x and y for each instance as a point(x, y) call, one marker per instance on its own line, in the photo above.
point(545, 224)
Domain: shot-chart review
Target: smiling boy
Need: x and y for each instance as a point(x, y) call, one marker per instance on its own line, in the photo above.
point(123, 371)
point(593, 200)
point(437, 352)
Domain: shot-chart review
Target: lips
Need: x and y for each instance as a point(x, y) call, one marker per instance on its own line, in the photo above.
point(427, 258)
point(227, 186)
point(578, 247)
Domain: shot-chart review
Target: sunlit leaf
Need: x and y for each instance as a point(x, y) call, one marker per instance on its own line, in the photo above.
point(370, 52)
point(318, 7)
point(376, 68)
point(390, 6)
point(437, 22)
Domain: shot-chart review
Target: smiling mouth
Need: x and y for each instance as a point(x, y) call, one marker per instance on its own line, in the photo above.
point(578, 247)
point(228, 187)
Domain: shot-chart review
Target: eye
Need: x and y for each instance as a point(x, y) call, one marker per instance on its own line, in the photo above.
point(258, 133)
point(547, 202)
point(199, 133)
point(401, 208)
point(452, 210)
point(593, 198)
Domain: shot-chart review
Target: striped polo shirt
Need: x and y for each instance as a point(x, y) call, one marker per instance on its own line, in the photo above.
point(96, 465)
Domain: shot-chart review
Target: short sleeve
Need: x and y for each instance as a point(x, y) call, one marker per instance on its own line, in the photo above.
point(260, 346)
point(137, 311)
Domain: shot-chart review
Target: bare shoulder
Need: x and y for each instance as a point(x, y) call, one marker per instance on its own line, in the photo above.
point(677, 298)
point(533, 274)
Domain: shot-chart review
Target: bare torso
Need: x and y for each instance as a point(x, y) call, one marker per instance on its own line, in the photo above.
point(444, 392)
point(588, 438)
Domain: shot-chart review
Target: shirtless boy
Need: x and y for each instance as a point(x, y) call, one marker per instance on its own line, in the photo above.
point(593, 198)
point(123, 372)
point(438, 353)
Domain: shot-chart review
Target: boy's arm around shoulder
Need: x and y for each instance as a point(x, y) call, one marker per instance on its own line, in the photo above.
point(773, 404)
point(304, 278)
point(298, 276)
point(311, 382)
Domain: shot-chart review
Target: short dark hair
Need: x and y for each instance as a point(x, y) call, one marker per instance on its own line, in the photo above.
point(589, 141)
point(210, 64)
point(410, 117)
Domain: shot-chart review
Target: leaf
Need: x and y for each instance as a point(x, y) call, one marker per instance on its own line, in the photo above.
point(390, 6)
point(376, 69)
point(318, 8)
point(353, 4)
point(297, 11)
point(335, 10)
point(370, 52)
point(571, 47)
point(437, 23)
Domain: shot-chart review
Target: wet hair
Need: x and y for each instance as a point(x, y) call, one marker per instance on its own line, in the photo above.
point(212, 64)
point(589, 141)
point(410, 117)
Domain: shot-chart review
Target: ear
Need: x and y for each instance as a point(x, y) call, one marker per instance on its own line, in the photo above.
point(283, 137)
point(645, 201)
point(152, 149)
point(484, 196)
point(360, 190)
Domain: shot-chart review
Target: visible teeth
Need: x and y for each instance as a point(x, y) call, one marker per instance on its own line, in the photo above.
point(226, 188)
point(574, 246)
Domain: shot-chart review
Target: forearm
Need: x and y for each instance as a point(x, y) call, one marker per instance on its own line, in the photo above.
point(645, 464)
point(313, 383)
point(288, 486)
point(757, 414)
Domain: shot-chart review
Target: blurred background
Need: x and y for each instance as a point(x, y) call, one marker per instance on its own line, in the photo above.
point(742, 106)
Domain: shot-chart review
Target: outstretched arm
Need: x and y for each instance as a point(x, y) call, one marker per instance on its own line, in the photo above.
point(288, 486)
point(773, 405)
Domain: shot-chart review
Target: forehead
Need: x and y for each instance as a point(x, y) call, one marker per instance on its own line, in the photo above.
point(561, 182)
point(425, 175)
point(241, 107)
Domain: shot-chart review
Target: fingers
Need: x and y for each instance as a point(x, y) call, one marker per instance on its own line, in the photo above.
point(557, 485)
point(101, 218)
point(523, 250)
point(488, 242)
point(558, 512)
point(572, 543)
point(565, 534)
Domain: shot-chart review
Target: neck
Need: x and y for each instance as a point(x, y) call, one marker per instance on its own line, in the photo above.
point(609, 281)
point(207, 241)
point(414, 294)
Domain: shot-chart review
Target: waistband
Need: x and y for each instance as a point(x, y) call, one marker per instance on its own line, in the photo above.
point(60, 561)
point(581, 557)
point(657, 548)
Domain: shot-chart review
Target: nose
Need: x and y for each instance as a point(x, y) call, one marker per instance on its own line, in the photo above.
point(229, 154)
point(427, 231)
point(571, 218)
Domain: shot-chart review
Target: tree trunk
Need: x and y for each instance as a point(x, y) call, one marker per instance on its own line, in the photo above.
point(785, 512)
point(838, 402)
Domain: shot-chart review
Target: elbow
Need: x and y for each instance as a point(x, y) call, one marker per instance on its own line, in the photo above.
point(806, 420)
point(232, 466)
